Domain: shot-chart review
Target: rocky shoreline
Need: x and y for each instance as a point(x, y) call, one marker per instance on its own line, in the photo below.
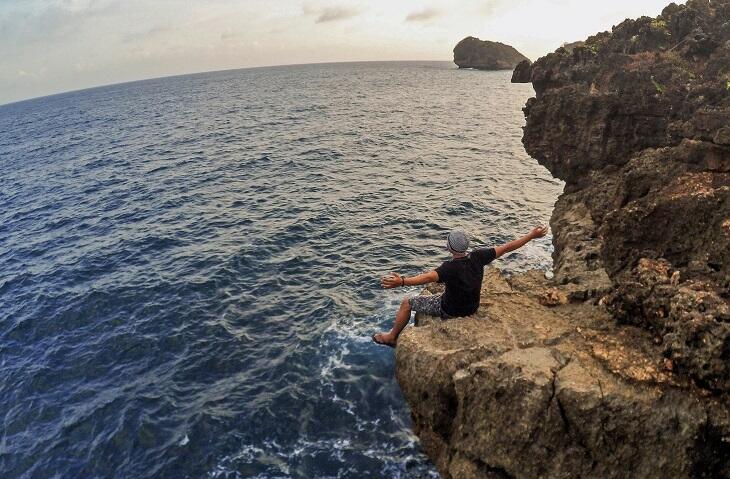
point(618, 366)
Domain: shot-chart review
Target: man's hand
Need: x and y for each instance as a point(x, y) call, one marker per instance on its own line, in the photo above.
point(538, 232)
point(393, 280)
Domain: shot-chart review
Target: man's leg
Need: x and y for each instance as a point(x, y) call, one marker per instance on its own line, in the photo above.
point(401, 320)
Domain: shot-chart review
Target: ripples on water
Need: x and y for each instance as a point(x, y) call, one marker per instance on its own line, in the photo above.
point(189, 266)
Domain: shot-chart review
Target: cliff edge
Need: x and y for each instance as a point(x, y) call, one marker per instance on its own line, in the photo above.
point(472, 52)
point(537, 386)
point(620, 365)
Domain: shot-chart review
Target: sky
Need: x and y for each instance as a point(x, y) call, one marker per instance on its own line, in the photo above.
point(51, 46)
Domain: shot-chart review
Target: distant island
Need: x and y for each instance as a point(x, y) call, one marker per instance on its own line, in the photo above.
point(472, 52)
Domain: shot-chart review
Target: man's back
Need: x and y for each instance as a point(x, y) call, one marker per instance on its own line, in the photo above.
point(463, 278)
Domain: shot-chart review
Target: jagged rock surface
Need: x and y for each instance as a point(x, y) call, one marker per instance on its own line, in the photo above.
point(636, 122)
point(485, 55)
point(620, 365)
point(523, 390)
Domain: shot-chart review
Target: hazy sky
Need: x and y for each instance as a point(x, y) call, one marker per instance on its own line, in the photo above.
point(49, 46)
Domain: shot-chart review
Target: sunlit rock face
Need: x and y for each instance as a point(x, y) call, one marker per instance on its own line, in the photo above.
point(485, 55)
point(535, 385)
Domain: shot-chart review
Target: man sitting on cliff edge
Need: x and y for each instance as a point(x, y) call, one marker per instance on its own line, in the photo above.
point(462, 276)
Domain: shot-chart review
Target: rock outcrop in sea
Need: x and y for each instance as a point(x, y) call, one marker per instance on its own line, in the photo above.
point(618, 366)
point(472, 52)
point(522, 72)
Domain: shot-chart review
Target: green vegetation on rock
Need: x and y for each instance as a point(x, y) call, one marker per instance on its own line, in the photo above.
point(659, 24)
point(657, 85)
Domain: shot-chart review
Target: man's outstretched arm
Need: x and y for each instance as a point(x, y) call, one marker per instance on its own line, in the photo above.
point(395, 280)
point(538, 232)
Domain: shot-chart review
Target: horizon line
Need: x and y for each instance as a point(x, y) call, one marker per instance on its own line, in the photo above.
point(174, 75)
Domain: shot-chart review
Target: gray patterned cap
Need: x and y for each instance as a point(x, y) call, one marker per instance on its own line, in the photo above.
point(457, 242)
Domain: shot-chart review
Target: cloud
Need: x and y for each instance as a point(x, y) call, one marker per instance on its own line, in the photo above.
point(43, 22)
point(147, 34)
point(423, 15)
point(229, 35)
point(492, 7)
point(331, 13)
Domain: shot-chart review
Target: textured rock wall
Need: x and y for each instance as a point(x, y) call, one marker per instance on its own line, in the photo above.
point(620, 365)
point(533, 387)
point(637, 122)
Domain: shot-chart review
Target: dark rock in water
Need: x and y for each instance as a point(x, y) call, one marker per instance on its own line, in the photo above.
point(485, 55)
point(620, 365)
point(523, 72)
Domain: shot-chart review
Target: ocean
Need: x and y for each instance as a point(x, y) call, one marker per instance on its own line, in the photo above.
point(189, 266)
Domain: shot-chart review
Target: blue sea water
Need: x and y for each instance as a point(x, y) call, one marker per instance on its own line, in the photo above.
point(189, 266)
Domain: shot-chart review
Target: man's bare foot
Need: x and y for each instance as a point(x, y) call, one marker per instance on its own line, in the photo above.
point(386, 339)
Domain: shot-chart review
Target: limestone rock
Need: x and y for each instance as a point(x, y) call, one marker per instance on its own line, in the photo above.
point(620, 365)
point(521, 390)
point(635, 121)
point(553, 297)
point(486, 55)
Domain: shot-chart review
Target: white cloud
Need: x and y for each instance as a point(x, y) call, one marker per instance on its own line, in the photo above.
point(121, 40)
point(331, 13)
point(423, 15)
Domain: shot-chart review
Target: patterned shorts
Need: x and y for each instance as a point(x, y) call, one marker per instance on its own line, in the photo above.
point(429, 305)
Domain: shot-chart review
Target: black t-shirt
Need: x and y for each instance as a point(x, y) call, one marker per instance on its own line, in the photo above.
point(463, 278)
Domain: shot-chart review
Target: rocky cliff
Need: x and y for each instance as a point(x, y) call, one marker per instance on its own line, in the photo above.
point(485, 55)
point(620, 365)
point(537, 386)
point(637, 123)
